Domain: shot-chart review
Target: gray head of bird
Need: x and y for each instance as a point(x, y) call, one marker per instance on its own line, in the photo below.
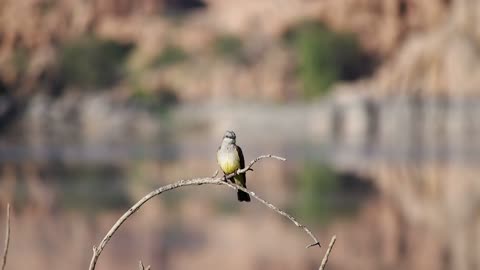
point(229, 137)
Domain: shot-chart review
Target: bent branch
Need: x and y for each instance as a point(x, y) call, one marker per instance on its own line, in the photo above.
point(197, 181)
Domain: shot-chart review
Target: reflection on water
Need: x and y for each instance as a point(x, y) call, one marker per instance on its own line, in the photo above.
point(324, 194)
point(63, 208)
point(397, 197)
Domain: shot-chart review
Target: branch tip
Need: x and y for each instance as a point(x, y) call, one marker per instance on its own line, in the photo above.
point(274, 208)
point(314, 244)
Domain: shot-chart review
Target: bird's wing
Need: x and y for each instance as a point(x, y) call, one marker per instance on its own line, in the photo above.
point(240, 155)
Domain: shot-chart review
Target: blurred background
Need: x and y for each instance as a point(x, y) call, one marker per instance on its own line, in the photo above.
point(374, 103)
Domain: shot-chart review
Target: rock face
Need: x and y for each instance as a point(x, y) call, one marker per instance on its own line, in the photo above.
point(444, 61)
point(427, 44)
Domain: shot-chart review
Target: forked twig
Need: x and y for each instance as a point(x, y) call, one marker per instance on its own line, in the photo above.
point(142, 267)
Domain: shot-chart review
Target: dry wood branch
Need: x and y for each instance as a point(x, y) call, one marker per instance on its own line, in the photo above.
point(279, 211)
point(327, 253)
point(7, 238)
point(197, 181)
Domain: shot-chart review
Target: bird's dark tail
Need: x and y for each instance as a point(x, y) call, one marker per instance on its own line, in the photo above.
point(243, 196)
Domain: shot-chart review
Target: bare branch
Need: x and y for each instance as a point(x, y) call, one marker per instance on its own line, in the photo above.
point(7, 238)
point(197, 181)
point(327, 253)
point(281, 212)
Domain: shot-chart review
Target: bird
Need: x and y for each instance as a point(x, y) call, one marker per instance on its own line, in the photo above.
point(230, 159)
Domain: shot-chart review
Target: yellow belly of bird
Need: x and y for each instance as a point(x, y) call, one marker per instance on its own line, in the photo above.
point(229, 165)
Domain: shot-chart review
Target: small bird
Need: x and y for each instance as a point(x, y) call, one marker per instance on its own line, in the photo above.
point(230, 158)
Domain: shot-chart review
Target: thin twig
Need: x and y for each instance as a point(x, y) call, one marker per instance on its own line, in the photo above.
point(7, 238)
point(279, 211)
point(327, 253)
point(142, 267)
point(197, 181)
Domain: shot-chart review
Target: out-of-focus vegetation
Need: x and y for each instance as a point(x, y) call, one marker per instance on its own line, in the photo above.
point(177, 10)
point(157, 102)
point(325, 57)
point(86, 185)
point(90, 62)
point(20, 60)
point(323, 193)
point(169, 56)
point(317, 186)
point(89, 188)
point(229, 47)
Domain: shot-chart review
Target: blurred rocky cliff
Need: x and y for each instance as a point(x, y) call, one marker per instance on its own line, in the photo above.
point(203, 49)
point(59, 59)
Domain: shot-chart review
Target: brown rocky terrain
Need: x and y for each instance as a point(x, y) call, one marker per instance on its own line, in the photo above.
point(441, 62)
point(436, 37)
